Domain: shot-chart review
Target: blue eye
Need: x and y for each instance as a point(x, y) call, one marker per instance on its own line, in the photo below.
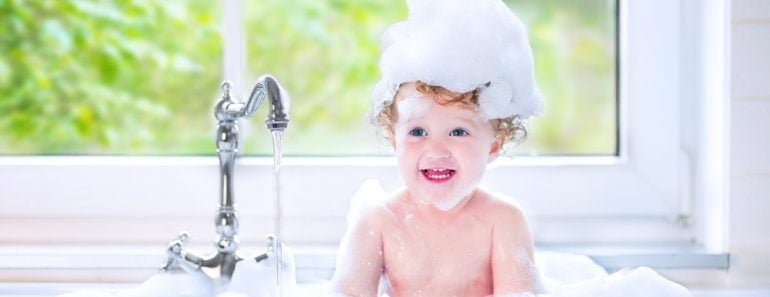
point(458, 132)
point(418, 132)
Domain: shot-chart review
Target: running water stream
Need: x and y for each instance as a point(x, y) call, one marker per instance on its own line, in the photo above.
point(278, 242)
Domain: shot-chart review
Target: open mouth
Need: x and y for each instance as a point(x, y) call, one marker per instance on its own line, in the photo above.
point(438, 174)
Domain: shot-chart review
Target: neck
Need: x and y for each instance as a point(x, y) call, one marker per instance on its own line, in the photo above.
point(431, 211)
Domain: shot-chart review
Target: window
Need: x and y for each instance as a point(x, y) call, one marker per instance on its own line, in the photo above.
point(328, 52)
point(636, 179)
point(141, 77)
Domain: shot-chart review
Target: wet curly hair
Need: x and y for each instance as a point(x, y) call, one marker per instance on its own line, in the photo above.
point(512, 129)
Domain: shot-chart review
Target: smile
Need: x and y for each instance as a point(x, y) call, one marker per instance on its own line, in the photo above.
point(438, 174)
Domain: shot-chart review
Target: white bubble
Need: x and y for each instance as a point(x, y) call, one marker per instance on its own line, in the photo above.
point(462, 47)
point(370, 195)
point(412, 107)
point(449, 202)
point(640, 282)
point(570, 276)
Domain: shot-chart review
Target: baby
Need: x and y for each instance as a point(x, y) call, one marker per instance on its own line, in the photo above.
point(457, 83)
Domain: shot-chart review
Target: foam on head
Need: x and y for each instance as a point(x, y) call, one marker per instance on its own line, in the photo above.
point(461, 46)
point(412, 107)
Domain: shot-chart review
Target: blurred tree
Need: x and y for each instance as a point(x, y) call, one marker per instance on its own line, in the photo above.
point(575, 46)
point(104, 76)
point(326, 54)
point(141, 76)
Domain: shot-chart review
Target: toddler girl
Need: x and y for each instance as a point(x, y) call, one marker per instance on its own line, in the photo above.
point(457, 84)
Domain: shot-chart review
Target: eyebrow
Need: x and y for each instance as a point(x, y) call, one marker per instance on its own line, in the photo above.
point(466, 121)
point(469, 122)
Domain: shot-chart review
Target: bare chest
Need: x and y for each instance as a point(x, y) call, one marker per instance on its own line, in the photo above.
point(438, 260)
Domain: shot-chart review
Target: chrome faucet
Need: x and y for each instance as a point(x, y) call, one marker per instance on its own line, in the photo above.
point(220, 265)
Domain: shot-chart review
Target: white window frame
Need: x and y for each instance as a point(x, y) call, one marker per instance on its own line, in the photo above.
point(644, 195)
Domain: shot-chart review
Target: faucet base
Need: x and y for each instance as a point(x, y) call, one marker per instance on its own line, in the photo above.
point(219, 265)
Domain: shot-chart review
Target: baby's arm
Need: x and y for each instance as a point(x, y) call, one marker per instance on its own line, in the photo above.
point(359, 259)
point(513, 262)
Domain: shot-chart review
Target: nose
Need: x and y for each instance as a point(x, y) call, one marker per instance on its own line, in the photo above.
point(437, 149)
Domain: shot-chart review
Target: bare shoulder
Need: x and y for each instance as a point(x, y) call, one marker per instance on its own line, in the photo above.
point(376, 215)
point(501, 209)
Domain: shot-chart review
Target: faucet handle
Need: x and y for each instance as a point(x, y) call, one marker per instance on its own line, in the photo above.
point(228, 108)
point(226, 87)
point(176, 246)
point(174, 251)
point(270, 239)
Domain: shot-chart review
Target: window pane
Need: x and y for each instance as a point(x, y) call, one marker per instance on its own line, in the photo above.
point(575, 47)
point(108, 77)
point(141, 77)
point(325, 53)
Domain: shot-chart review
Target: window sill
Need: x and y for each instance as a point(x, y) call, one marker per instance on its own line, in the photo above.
point(134, 263)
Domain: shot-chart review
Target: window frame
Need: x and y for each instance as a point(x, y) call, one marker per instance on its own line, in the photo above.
point(108, 199)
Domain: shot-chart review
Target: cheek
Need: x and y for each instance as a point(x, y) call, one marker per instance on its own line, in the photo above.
point(478, 159)
point(400, 146)
point(399, 134)
point(405, 151)
point(476, 156)
point(403, 143)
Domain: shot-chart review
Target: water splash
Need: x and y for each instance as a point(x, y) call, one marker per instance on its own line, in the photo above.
point(278, 243)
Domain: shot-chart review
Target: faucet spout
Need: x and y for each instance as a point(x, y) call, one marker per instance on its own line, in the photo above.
point(278, 115)
point(229, 109)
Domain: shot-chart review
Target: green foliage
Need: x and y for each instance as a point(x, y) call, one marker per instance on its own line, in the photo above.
point(325, 53)
point(574, 46)
point(104, 76)
point(141, 76)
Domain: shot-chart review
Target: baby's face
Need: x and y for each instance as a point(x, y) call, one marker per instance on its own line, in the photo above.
point(442, 150)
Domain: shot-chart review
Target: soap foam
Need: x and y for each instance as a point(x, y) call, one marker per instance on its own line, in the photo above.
point(461, 47)
point(570, 276)
point(412, 107)
point(450, 202)
point(370, 195)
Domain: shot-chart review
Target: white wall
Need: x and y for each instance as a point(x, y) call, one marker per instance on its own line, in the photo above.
point(749, 190)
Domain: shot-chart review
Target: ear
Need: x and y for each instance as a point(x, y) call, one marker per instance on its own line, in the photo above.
point(495, 148)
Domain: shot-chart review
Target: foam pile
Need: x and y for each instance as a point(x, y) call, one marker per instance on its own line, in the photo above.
point(461, 46)
point(576, 276)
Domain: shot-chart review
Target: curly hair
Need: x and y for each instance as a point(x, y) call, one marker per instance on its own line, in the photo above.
point(512, 129)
